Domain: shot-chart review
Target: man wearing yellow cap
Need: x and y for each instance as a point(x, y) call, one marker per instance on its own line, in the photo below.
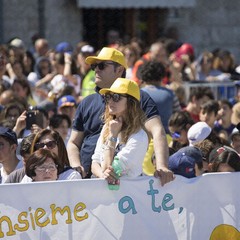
point(109, 65)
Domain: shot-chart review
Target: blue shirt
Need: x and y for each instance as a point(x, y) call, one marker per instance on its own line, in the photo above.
point(88, 120)
point(218, 128)
point(164, 99)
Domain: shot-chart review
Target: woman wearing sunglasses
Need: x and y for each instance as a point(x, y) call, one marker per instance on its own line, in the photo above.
point(42, 165)
point(178, 125)
point(123, 134)
point(51, 140)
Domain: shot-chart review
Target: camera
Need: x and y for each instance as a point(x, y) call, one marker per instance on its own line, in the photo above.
point(34, 117)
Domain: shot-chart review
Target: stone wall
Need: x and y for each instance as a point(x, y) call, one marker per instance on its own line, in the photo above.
point(20, 19)
point(62, 20)
point(211, 24)
point(63, 24)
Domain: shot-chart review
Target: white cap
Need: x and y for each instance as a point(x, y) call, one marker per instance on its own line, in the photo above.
point(17, 42)
point(198, 132)
point(235, 131)
point(87, 48)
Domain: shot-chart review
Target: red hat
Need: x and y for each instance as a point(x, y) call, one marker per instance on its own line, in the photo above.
point(185, 49)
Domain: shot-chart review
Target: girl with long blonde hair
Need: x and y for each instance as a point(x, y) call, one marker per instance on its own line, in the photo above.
point(123, 134)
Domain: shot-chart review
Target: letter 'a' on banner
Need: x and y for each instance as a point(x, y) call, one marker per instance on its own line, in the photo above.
point(205, 207)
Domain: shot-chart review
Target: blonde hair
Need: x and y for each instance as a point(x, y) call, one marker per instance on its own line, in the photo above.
point(133, 120)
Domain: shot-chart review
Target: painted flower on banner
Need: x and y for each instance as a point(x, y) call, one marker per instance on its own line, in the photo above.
point(225, 232)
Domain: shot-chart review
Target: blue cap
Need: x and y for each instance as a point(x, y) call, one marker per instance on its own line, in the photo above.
point(63, 47)
point(9, 134)
point(66, 101)
point(183, 161)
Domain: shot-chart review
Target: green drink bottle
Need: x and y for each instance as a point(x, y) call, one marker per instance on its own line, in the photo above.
point(118, 170)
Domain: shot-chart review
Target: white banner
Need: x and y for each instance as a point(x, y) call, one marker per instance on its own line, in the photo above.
point(202, 208)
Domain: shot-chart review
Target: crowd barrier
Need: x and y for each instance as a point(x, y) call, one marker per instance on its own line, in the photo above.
point(205, 207)
point(221, 90)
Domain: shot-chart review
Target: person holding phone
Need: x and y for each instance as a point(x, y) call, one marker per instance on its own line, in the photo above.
point(31, 121)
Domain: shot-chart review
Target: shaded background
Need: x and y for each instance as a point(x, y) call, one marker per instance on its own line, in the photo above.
point(205, 24)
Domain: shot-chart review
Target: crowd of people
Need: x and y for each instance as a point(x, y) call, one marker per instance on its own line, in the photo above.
point(67, 112)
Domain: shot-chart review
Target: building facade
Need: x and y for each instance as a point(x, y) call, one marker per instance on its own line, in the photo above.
point(207, 25)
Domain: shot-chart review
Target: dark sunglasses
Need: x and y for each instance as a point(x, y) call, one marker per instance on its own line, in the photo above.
point(176, 135)
point(101, 65)
point(49, 145)
point(115, 97)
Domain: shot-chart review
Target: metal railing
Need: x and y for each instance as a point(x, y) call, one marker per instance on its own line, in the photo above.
point(221, 90)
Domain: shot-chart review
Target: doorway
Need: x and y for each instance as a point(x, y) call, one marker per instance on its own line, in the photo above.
point(146, 24)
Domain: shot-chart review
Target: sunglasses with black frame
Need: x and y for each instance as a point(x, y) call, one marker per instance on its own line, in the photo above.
point(102, 65)
point(49, 145)
point(116, 97)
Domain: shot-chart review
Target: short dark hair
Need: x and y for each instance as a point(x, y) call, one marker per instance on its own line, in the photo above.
point(200, 92)
point(10, 141)
point(124, 73)
point(210, 106)
point(119, 65)
point(57, 119)
point(152, 71)
point(24, 84)
point(41, 110)
point(37, 159)
point(180, 119)
point(25, 147)
point(224, 154)
point(226, 102)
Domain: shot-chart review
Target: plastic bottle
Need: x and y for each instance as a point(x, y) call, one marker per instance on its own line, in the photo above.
point(118, 171)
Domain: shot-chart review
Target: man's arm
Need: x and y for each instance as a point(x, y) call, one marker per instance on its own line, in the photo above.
point(155, 128)
point(73, 148)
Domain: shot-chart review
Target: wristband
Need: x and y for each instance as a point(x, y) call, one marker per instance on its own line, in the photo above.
point(112, 139)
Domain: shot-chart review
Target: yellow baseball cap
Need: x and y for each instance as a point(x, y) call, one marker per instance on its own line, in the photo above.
point(123, 86)
point(108, 54)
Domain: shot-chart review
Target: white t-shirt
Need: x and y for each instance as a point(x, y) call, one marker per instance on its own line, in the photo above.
point(131, 154)
point(69, 174)
point(4, 175)
point(59, 81)
point(32, 78)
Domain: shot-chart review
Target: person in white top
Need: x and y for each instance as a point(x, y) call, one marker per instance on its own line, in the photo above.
point(8, 157)
point(123, 134)
point(66, 74)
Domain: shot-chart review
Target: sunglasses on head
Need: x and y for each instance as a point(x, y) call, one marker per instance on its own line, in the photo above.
point(115, 97)
point(49, 145)
point(101, 65)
